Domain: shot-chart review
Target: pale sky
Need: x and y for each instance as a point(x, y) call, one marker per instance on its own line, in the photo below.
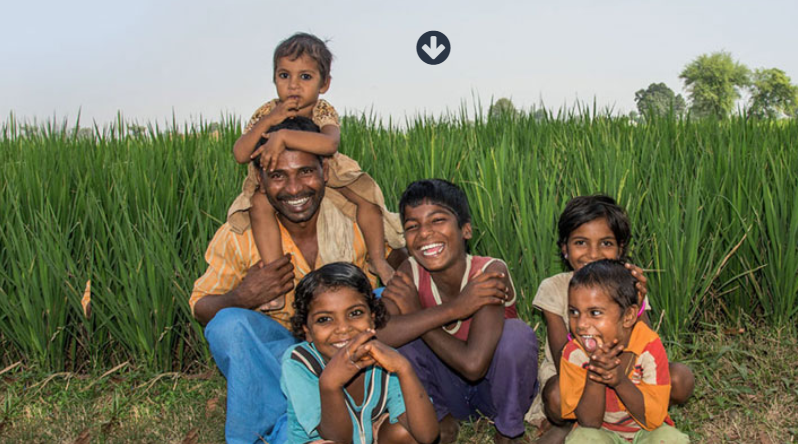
point(150, 58)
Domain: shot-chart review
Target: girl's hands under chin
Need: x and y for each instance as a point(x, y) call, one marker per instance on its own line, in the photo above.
point(348, 361)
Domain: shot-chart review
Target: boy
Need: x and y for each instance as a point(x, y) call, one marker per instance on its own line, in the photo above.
point(614, 377)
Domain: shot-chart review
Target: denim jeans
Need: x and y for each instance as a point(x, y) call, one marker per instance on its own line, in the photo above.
point(247, 347)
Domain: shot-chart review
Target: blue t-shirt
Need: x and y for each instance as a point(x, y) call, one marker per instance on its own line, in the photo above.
point(302, 365)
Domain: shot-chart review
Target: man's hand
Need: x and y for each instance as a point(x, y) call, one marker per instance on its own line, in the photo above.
point(402, 291)
point(264, 283)
point(487, 288)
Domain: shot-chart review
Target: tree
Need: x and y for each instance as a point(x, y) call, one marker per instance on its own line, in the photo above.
point(660, 100)
point(772, 94)
point(501, 108)
point(713, 83)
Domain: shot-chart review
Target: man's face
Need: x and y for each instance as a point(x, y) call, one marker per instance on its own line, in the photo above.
point(295, 187)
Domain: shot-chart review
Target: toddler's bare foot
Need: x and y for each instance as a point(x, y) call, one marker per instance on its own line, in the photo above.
point(274, 304)
point(450, 428)
point(383, 269)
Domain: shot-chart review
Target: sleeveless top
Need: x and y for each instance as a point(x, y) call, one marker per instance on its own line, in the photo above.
point(430, 297)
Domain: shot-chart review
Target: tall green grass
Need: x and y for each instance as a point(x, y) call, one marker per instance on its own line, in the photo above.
point(713, 205)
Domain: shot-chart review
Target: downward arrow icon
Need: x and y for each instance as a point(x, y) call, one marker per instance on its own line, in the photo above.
point(433, 50)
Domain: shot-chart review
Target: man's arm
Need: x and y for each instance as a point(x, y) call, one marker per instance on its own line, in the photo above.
point(260, 285)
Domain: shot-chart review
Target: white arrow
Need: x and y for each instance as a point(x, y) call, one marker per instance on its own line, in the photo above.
point(435, 50)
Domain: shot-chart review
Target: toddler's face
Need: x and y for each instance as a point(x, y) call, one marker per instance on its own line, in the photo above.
point(335, 317)
point(590, 242)
point(596, 319)
point(299, 80)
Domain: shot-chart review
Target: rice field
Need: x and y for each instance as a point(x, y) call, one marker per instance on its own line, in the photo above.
point(713, 205)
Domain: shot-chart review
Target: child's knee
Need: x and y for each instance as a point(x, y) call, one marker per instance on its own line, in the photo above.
point(394, 434)
point(682, 382)
point(551, 400)
point(518, 343)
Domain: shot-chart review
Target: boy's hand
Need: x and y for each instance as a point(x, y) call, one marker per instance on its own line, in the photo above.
point(641, 285)
point(485, 289)
point(402, 291)
point(270, 150)
point(347, 361)
point(605, 364)
point(386, 357)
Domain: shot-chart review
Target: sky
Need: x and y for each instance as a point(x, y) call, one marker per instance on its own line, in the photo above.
point(151, 60)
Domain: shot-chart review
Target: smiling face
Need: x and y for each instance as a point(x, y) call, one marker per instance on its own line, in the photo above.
point(295, 187)
point(335, 317)
point(433, 236)
point(590, 242)
point(300, 79)
point(596, 319)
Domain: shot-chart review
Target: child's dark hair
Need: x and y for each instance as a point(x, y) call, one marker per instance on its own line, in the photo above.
point(331, 277)
point(583, 209)
point(297, 123)
point(439, 192)
point(301, 44)
point(611, 276)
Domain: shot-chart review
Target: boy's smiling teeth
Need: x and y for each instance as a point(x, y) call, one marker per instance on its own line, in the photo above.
point(431, 249)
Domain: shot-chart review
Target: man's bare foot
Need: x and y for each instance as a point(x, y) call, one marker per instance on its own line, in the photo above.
point(274, 304)
point(450, 428)
point(383, 269)
point(556, 434)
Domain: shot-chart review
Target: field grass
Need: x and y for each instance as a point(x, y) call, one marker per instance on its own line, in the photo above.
point(746, 391)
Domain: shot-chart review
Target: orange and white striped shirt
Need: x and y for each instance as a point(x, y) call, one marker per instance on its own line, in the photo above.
point(230, 255)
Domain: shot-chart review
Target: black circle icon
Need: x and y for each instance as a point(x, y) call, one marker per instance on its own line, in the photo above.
point(433, 47)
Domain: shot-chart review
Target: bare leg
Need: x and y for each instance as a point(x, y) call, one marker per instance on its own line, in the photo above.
point(266, 233)
point(551, 404)
point(450, 428)
point(369, 218)
point(682, 383)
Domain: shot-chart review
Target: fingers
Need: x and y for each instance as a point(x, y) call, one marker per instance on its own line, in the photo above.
point(257, 152)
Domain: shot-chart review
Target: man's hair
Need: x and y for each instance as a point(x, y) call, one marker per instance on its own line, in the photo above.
point(583, 209)
point(301, 44)
point(437, 192)
point(611, 276)
point(330, 278)
point(294, 123)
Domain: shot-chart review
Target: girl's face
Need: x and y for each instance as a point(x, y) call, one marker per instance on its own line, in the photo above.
point(590, 242)
point(433, 236)
point(299, 79)
point(335, 317)
point(596, 319)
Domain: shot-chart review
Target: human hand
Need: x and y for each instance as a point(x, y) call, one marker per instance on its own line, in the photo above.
point(641, 285)
point(285, 109)
point(386, 357)
point(264, 283)
point(347, 361)
point(605, 364)
point(402, 291)
point(270, 151)
point(486, 288)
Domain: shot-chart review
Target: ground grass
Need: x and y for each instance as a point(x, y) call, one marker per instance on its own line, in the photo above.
point(746, 391)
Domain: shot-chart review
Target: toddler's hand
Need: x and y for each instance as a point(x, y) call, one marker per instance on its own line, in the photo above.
point(284, 110)
point(270, 151)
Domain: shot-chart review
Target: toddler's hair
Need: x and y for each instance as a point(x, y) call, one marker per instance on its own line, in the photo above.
point(301, 44)
point(330, 278)
point(297, 123)
point(438, 192)
point(583, 209)
point(611, 276)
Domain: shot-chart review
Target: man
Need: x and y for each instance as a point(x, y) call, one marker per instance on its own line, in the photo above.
point(246, 344)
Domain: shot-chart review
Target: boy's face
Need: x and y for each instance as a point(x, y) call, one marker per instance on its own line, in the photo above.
point(433, 236)
point(299, 80)
point(596, 319)
point(335, 317)
point(590, 242)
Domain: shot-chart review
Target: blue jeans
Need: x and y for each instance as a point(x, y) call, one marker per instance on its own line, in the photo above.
point(247, 347)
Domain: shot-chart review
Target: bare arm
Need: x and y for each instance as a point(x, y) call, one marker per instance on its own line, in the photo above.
point(592, 405)
point(245, 145)
point(558, 335)
point(259, 286)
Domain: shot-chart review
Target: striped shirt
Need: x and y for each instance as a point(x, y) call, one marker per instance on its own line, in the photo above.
point(230, 255)
point(650, 375)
